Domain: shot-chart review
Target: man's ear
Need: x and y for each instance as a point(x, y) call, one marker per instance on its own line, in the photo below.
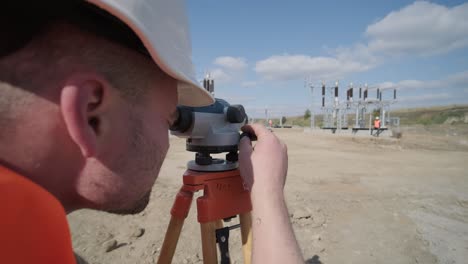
point(80, 102)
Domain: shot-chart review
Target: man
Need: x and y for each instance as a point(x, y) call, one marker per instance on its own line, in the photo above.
point(376, 126)
point(84, 111)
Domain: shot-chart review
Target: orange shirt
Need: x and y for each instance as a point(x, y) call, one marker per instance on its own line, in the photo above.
point(377, 123)
point(33, 223)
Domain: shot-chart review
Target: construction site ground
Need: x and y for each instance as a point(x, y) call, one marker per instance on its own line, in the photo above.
point(352, 199)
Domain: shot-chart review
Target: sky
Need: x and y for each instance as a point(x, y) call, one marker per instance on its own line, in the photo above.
point(262, 53)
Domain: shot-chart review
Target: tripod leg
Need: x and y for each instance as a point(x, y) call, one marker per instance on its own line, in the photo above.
point(219, 224)
point(170, 240)
point(246, 233)
point(208, 235)
point(179, 212)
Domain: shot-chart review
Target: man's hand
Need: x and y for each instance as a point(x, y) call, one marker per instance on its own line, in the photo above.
point(264, 168)
point(268, 161)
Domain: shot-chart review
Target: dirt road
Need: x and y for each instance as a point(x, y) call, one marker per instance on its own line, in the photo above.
point(352, 200)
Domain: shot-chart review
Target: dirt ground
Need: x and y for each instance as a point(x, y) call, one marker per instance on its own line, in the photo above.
point(352, 199)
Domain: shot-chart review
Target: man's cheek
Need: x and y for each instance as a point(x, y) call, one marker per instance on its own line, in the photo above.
point(161, 135)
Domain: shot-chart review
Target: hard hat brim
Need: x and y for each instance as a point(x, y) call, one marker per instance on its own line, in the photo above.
point(163, 29)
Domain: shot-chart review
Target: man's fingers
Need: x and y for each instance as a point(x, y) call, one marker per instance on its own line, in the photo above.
point(245, 147)
point(245, 162)
point(256, 129)
point(245, 153)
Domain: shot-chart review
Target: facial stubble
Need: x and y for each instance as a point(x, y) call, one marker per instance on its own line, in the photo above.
point(150, 156)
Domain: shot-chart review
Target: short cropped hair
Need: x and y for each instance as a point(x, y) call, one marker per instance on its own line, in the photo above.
point(39, 38)
point(20, 22)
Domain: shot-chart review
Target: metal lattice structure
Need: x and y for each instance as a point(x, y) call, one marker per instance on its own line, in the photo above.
point(336, 113)
point(308, 85)
point(330, 106)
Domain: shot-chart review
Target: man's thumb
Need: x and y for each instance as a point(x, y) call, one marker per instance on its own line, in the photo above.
point(245, 161)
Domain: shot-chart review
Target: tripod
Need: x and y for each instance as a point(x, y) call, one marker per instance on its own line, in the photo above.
point(224, 197)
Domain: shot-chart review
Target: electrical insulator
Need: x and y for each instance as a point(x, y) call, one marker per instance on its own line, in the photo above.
point(211, 86)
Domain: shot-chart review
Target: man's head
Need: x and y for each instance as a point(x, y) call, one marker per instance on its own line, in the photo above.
point(85, 117)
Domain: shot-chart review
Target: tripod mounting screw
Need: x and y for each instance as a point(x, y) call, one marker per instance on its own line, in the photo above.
point(203, 159)
point(232, 156)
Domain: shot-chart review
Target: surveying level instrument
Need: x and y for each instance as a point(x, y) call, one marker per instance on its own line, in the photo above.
point(211, 130)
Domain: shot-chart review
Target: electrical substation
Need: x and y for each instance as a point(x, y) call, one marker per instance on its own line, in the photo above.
point(357, 111)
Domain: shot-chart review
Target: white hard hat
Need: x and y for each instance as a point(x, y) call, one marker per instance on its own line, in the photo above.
point(377, 117)
point(162, 26)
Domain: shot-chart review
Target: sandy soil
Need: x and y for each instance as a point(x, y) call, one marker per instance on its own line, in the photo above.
point(352, 199)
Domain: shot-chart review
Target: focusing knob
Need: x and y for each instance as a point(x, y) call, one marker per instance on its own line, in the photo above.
point(235, 114)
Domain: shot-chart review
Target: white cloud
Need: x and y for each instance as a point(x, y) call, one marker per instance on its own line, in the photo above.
point(220, 76)
point(249, 84)
point(460, 78)
point(386, 85)
point(229, 69)
point(417, 84)
point(239, 99)
point(453, 87)
point(276, 111)
point(358, 52)
point(454, 81)
point(289, 67)
point(426, 97)
point(231, 63)
point(421, 28)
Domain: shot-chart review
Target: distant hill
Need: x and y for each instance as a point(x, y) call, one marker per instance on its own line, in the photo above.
point(455, 114)
point(452, 115)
